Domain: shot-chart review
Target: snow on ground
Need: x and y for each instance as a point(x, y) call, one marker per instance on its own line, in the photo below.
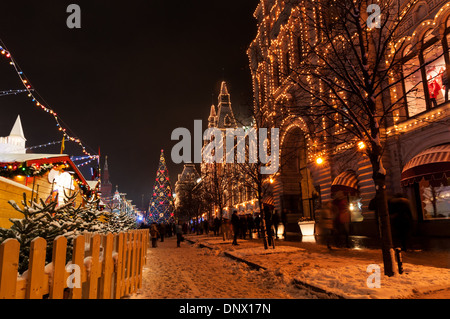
point(193, 272)
point(352, 281)
point(260, 250)
point(341, 272)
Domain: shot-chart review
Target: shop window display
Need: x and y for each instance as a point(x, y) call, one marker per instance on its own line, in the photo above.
point(436, 73)
point(435, 199)
point(434, 69)
point(415, 95)
point(355, 207)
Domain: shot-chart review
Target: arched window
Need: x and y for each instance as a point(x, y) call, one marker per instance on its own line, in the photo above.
point(412, 79)
point(435, 70)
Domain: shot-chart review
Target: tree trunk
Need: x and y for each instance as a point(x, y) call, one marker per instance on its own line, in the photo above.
point(383, 219)
point(263, 225)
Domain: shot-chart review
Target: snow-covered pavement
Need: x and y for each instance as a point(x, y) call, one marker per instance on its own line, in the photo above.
point(286, 272)
point(193, 272)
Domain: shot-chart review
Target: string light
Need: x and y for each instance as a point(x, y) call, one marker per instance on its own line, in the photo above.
point(274, 45)
point(43, 145)
point(32, 96)
point(80, 158)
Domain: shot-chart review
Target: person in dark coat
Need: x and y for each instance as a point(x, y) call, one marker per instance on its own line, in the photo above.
point(258, 225)
point(268, 219)
point(235, 223)
point(284, 221)
point(401, 219)
point(216, 226)
point(341, 213)
point(250, 225)
point(154, 233)
point(206, 226)
point(162, 231)
point(179, 232)
point(275, 222)
point(244, 226)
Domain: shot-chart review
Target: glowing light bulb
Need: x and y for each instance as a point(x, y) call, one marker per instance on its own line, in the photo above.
point(361, 145)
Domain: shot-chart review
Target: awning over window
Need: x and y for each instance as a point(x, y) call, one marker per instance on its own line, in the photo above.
point(346, 182)
point(268, 202)
point(433, 164)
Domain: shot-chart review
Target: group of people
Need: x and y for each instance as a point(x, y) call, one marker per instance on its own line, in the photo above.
point(244, 225)
point(162, 230)
point(335, 219)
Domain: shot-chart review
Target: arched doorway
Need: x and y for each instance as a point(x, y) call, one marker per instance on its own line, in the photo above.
point(294, 184)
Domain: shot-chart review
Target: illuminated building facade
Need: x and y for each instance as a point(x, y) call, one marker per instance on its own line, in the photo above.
point(417, 136)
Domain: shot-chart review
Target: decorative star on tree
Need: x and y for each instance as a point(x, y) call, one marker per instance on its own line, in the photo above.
point(161, 208)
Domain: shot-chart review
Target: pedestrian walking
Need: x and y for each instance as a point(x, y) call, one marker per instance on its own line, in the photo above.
point(326, 222)
point(342, 216)
point(216, 226)
point(154, 233)
point(284, 221)
point(401, 219)
point(243, 226)
point(179, 232)
point(235, 223)
point(206, 226)
point(268, 220)
point(162, 231)
point(275, 222)
point(250, 225)
point(258, 225)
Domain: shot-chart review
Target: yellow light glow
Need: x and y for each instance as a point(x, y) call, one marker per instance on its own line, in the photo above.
point(319, 160)
point(361, 145)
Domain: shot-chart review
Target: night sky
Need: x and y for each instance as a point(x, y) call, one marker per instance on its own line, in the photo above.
point(134, 72)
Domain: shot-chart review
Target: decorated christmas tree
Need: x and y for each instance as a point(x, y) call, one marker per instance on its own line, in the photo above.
point(161, 204)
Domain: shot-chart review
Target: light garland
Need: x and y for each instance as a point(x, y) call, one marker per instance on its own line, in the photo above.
point(263, 76)
point(43, 145)
point(87, 162)
point(80, 158)
point(28, 88)
point(10, 92)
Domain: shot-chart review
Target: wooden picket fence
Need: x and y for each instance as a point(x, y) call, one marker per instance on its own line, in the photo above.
point(110, 267)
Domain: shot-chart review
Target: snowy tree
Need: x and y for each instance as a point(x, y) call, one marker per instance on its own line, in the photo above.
point(91, 219)
point(120, 222)
point(344, 83)
point(44, 220)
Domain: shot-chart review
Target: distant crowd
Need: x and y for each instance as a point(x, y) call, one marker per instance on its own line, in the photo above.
point(239, 226)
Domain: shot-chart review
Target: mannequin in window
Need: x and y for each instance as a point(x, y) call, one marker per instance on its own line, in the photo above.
point(434, 87)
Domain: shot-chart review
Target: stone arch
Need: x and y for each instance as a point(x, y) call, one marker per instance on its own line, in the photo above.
point(293, 190)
